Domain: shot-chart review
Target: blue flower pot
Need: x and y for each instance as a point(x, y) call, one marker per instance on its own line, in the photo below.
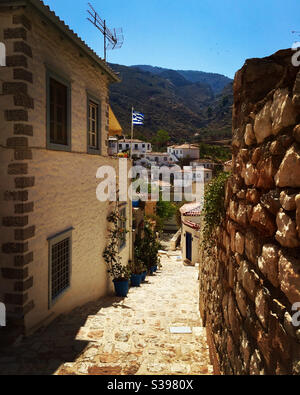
point(152, 270)
point(136, 203)
point(121, 288)
point(136, 280)
point(144, 275)
point(155, 268)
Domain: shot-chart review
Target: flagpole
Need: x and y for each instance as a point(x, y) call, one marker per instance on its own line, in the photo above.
point(131, 142)
point(131, 247)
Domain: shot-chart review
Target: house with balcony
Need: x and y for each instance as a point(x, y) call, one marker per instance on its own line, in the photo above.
point(54, 117)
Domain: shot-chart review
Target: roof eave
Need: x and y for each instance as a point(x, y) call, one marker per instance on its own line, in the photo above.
point(52, 17)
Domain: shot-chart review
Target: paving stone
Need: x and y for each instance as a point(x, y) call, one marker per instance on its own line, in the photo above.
point(130, 337)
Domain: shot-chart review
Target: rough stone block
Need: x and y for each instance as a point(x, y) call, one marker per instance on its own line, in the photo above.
point(289, 277)
point(289, 172)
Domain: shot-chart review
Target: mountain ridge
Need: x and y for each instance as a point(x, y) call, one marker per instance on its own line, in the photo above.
point(170, 101)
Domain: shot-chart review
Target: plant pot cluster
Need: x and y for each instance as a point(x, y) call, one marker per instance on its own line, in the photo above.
point(122, 286)
point(146, 259)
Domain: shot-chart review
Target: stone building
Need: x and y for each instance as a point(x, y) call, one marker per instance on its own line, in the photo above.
point(54, 129)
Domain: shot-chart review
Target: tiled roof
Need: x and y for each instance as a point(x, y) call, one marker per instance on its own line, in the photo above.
point(184, 146)
point(128, 141)
point(191, 225)
point(158, 154)
point(191, 210)
point(48, 13)
point(204, 161)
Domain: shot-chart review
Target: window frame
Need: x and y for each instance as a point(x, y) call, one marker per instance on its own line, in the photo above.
point(95, 100)
point(67, 234)
point(64, 81)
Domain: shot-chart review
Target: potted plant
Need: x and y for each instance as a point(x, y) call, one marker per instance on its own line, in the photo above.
point(137, 269)
point(119, 272)
point(146, 248)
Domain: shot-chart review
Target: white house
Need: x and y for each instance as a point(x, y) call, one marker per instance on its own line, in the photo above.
point(158, 159)
point(190, 239)
point(113, 146)
point(206, 163)
point(184, 151)
point(139, 148)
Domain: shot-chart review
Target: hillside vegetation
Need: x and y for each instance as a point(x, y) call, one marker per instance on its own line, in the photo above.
point(190, 106)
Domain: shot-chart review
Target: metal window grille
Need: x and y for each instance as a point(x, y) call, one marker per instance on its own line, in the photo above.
point(60, 257)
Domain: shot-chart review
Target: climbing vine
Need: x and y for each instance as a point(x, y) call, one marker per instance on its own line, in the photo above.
point(214, 206)
point(111, 256)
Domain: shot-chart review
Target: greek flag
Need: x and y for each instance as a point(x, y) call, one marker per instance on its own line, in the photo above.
point(137, 118)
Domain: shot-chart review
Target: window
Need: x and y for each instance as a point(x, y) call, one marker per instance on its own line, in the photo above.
point(127, 146)
point(94, 125)
point(120, 146)
point(60, 254)
point(58, 113)
point(136, 147)
point(122, 227)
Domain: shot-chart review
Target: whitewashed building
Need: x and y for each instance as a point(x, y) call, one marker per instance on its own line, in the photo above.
point(139, 148)
point(184, 151)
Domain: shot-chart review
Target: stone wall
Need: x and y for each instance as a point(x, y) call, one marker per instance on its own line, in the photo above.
point(251, 280)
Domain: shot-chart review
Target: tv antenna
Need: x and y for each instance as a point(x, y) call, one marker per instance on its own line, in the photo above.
point(296, 32)
point(113, 39)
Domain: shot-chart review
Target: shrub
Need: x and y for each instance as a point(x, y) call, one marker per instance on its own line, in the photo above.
point(214, 207)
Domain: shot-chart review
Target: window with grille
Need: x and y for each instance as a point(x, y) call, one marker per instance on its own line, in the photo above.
point(60, 254)
point(58, 113)
point(122, 227)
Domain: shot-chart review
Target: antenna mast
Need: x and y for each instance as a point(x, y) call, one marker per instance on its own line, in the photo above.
point(112, 39)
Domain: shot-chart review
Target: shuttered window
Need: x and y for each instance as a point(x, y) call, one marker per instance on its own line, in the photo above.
point(93, 125)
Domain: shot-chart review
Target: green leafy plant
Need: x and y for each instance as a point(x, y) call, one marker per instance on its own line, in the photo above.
point(137, 267)
point(115, 268)
point(146, 248)
point(214, 208)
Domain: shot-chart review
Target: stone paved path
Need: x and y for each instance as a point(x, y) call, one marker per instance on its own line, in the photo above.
point(128, 337)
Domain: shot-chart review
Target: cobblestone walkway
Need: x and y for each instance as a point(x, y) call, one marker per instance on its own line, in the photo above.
point(123, 336)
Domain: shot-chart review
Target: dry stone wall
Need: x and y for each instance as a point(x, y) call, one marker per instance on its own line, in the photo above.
point(250, 281)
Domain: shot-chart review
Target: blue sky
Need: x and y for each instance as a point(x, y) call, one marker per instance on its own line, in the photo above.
point(208, 35)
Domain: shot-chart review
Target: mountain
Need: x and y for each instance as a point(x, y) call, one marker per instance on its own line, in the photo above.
point(172, 102)
point(217, 82)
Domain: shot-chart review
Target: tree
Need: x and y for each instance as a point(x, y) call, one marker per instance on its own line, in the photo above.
point(165, 210)
point(161, 139)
